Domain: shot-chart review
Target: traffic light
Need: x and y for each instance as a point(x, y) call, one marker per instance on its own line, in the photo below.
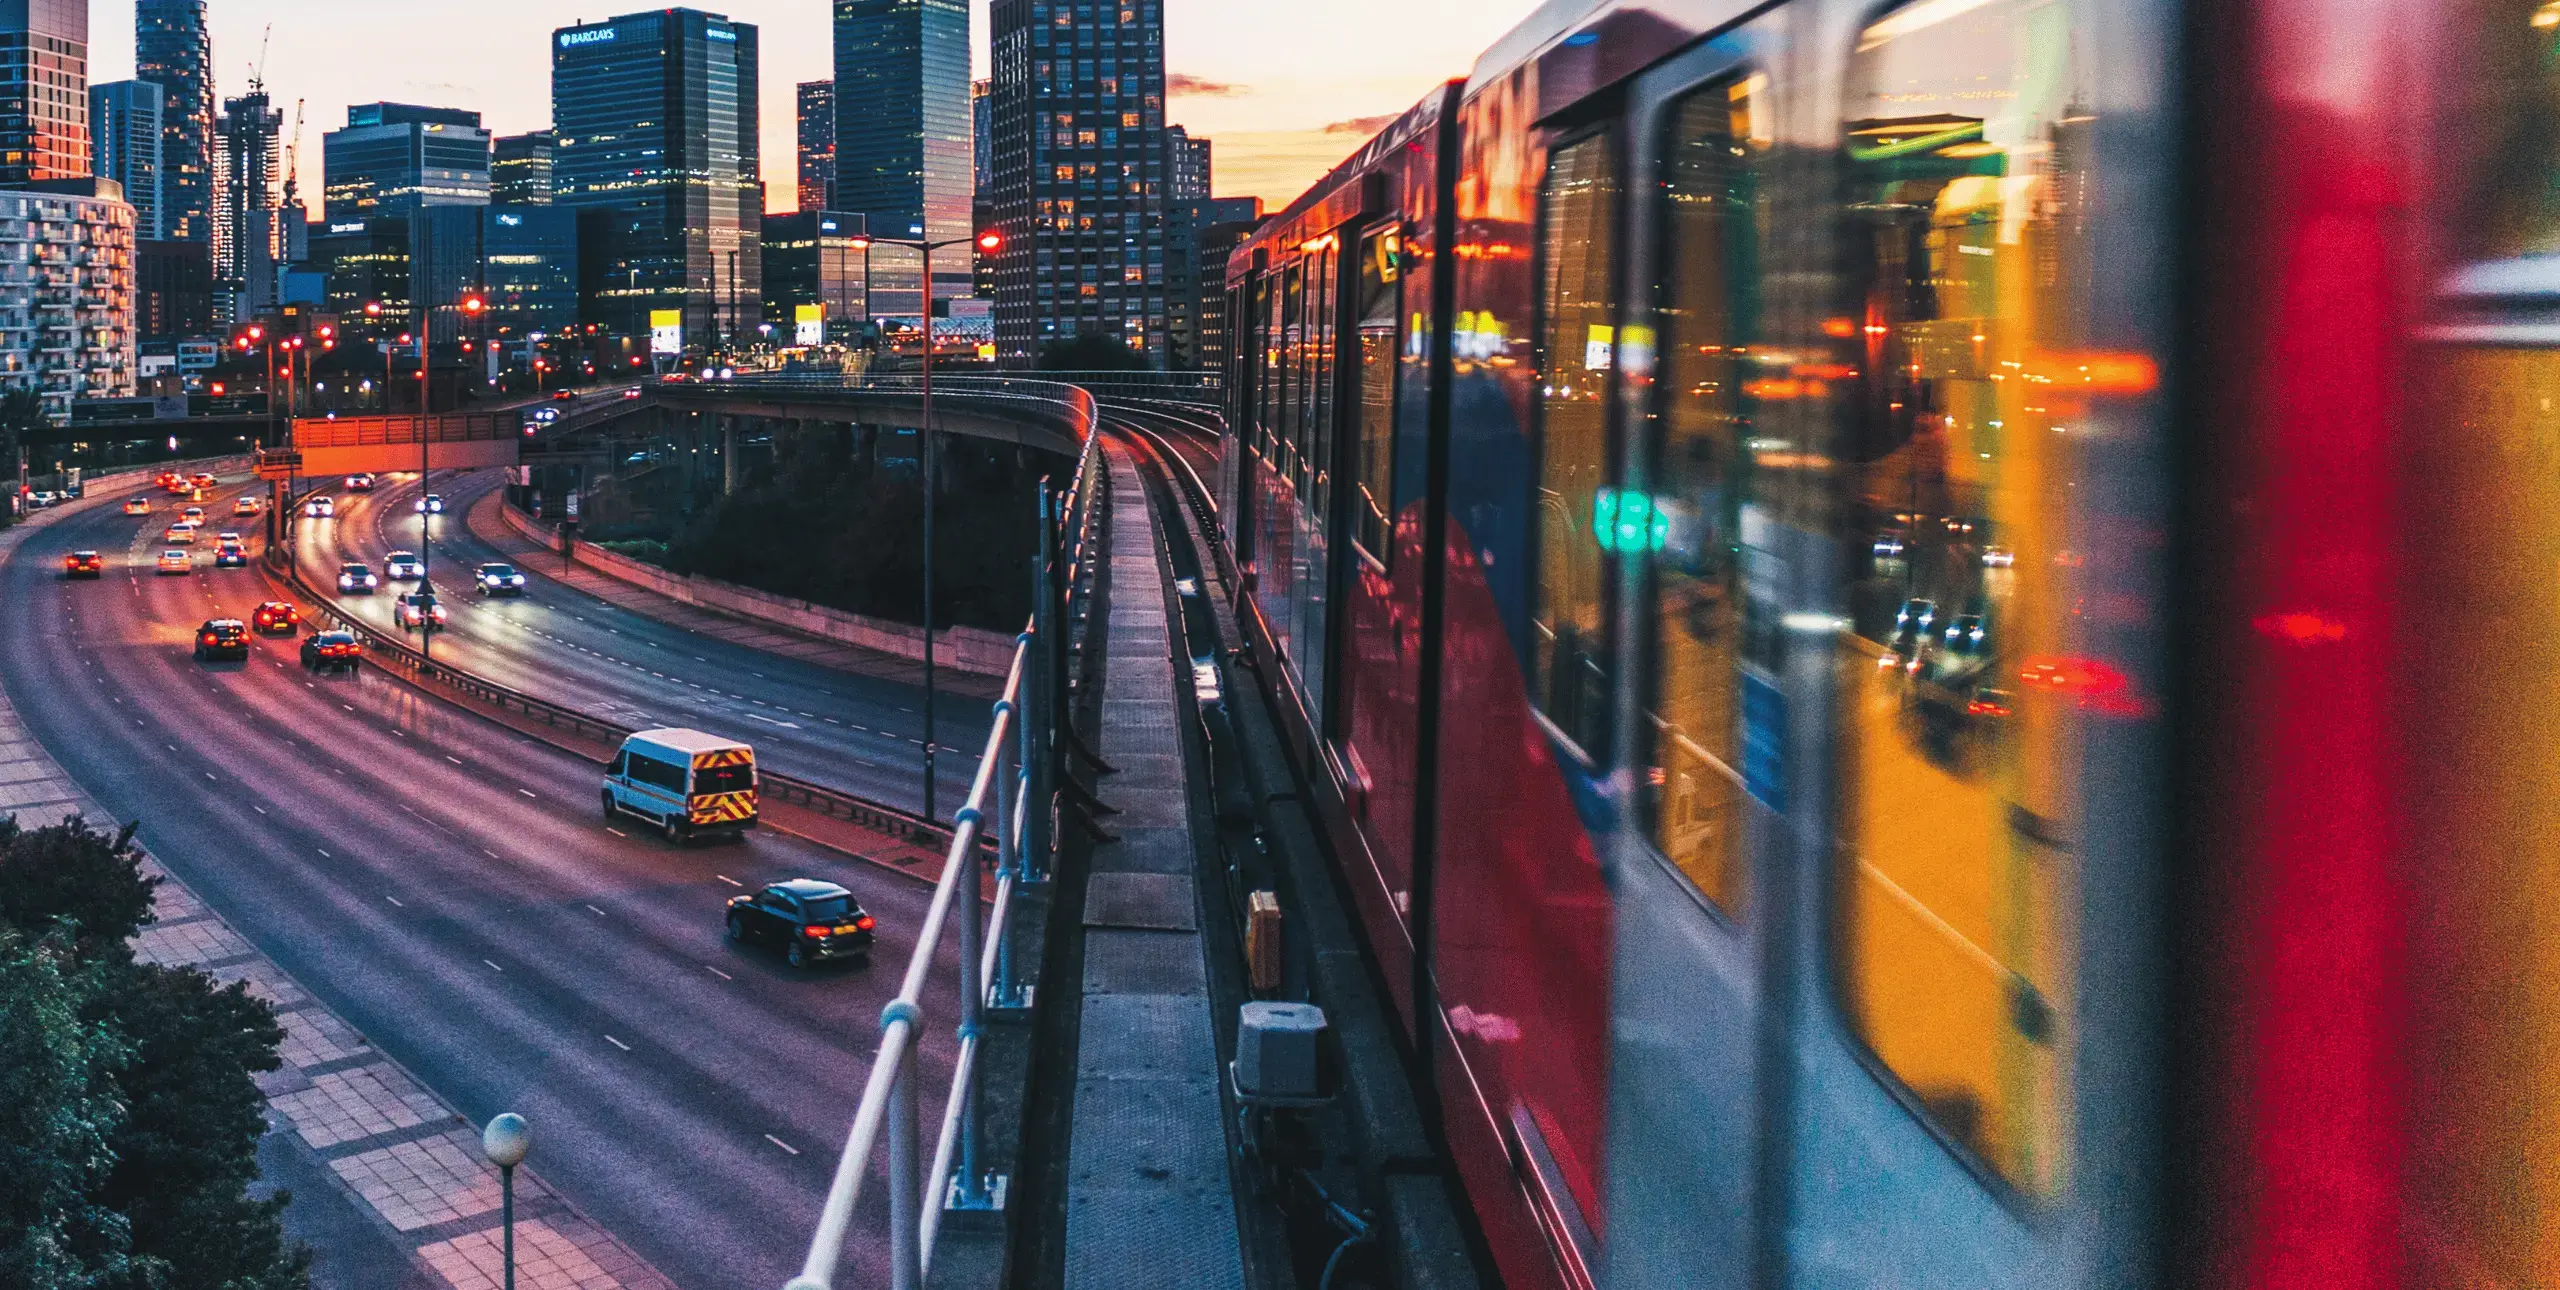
point(474, 305)
point(991, 241)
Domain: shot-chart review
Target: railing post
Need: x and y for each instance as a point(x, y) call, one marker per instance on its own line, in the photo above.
point(906, 1178)
point(973, 998)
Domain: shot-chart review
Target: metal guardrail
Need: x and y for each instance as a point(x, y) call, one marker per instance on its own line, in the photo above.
point(1021, 806)
point(421, 669)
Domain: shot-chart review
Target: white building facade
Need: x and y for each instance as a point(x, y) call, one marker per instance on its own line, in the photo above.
point(66, 297)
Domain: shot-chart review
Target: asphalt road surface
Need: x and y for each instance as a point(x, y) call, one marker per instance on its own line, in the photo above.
point(857, 734)
point(452, 889)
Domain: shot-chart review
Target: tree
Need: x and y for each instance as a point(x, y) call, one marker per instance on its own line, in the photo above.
point(1091, 351)
point(21, 414)
point(71, 875)
point(58, 1109)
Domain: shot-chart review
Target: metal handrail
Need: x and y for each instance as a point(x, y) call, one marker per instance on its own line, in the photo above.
point(1007, 796)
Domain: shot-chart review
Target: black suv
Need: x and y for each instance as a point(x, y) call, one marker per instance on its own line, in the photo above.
point(332, 652)
point(222, 638)
point(813, 920)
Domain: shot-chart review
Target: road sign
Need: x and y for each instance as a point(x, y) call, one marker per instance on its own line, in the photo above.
point(279, 463)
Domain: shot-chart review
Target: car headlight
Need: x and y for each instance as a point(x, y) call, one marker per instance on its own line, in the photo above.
point(516, 581)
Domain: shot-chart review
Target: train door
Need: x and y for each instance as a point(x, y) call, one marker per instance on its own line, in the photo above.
point(1698, 718)
point(1974, 664)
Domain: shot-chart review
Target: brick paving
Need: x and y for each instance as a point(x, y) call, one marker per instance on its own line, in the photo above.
point(426, 1184)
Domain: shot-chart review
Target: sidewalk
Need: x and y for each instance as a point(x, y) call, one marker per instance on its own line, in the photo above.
point(408, 1195)
point(487, 525)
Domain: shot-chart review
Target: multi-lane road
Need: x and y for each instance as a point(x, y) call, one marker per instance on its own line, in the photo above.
point(452, 889)
point(857, 734)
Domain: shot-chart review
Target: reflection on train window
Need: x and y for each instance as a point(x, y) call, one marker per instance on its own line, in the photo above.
point(1381, 303)
point(1316, 473)
point(1708, 204)
point(1293, 381)
point(1968, 174)
point(1266, 318)
point(1569, 649)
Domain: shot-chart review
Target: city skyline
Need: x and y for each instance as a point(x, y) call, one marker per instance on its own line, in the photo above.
point(1284, 100)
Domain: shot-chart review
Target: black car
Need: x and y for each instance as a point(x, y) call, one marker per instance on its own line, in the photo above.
point(813, 920)
point(332, 652)
point(222, 638)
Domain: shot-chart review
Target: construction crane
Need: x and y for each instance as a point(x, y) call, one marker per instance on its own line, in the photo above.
point(293, 161)
point(258, 70)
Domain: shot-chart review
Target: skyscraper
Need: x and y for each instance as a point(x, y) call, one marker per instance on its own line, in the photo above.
point(248, 237)
point(1186, 166)
point(44, 90)
point(656, 118)
point(817, 143)
point(520, 169)
point(124, 130)
point(982, 151)
point(395, 158)
point(173, 51)
point(1080, 174)
point(902, 138)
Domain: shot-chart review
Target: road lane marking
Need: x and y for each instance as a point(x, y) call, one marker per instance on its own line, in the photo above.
point(717, 972)
point(259, 809)
point(528, 792)
point(451, 758)
point(782, 1144)
point(324, 853)
point(595, 911)
point(493, 967)
point(395, 900)
point(489, 853)
point(729, 880)
point(171, 747)
point(211, 776)
point(787, 725)
point(615, 832)
point(617, 1043)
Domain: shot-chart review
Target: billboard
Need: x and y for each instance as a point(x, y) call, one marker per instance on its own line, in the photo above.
point(808, 324)
point(666, 331)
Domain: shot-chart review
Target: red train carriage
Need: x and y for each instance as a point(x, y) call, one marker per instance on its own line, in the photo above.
point(1922, 630)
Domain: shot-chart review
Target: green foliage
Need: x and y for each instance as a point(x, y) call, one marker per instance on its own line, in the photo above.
point(1091, 351)
point(129, 1118)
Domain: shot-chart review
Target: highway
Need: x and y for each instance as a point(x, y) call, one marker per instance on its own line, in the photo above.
point(451, 889)
point(859, 734)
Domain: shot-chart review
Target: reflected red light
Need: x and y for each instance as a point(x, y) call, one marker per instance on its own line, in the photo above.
point(2301, 628)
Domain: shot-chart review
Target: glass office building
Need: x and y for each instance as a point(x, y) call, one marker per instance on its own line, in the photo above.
point(367, 262)
point(520, 170)
point(396, 158)
point(44, 90)
point(173, 51)
point(523, 260)
point(813, 277)
point(124, 133)
point(817, 135)
point(903, 139)
point(655, 117)
point(1080, 174)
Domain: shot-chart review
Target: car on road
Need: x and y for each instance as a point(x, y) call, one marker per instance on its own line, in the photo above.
point(812, 921)
point(42, 498)
point(431, 504)
point(686, 781)
point(631, 393)
point(495, 579)
point(360, 483)
point(180, 532)
point(230, 555)
point(320, 508)
point(357, 579)
point(84, 564)
point(137, 506)
point(192, 515)
point(222, 638)
point(419, 609)
point(403, 566)
point(201, 480)
point(332, 651)
point(167, 479)
point(174, 560)
point(247, 507)
point(275, 618)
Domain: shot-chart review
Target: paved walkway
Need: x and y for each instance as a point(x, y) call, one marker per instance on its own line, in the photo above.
point(1149, 1195)
point(490, 526)
point(399, 1155)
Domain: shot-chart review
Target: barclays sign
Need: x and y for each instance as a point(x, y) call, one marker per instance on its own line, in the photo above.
point(590, 36)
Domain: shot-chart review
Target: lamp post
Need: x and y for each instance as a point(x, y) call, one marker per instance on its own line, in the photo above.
point(505, 1143)
point(990, 242)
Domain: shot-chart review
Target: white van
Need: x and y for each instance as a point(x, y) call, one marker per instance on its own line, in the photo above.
point(684, 781)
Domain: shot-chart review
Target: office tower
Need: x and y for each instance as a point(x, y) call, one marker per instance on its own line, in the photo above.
point(656, 118)
point(817, 143)
point(982, 152)
point(1078, 127)
point(396, 158)
point(1205, 236)
point(522, 261)
point(44, 90)
point(247, 233)
point(172, 51)
point(68, 333)
point(1186, 173)
point(172, 290)
point(902, 139)
point(813, 276)
point(124, 135)
point(367, 262)
point(520, 170)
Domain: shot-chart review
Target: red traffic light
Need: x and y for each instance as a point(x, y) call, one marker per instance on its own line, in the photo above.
point(373, 309)
point(991, 241)
point(473, 304)
point(257, 333)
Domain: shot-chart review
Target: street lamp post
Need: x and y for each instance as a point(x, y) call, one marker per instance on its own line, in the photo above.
point(505, 1143)
point(990, 242)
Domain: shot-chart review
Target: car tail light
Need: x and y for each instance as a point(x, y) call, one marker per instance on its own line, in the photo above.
point(814, 933)
point(209, 639)
point(862, 924)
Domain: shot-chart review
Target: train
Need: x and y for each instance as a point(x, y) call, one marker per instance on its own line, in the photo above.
point(1924, 633)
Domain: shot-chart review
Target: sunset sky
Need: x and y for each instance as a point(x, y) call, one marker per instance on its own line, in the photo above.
point(1285, 90)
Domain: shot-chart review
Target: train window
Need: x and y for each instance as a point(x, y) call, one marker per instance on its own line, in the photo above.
point(1707, 213)
point(1962, 706)
point(1318, 479)
point(1381, 305)
point(1578, 348)
point(1293, 376)
point(1267, 299)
